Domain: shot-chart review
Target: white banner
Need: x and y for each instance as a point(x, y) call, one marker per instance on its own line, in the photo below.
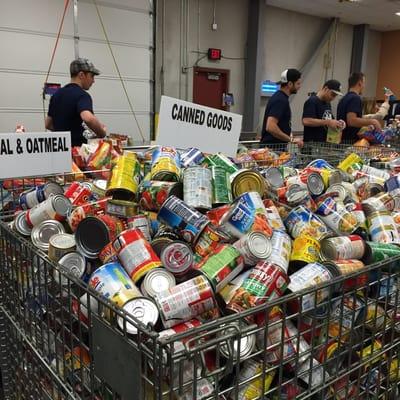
point(34, 154)
point(183, 124)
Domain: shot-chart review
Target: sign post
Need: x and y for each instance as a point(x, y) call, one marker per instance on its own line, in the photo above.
point(183, 124)
point(34, 154)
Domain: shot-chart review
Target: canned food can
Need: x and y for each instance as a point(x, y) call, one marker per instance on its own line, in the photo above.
point(315, 183)
point(273, 217)
point(338, 192)
point(135, 254)
point(111, 281)
point(165, 164)
point(343, 247)
point(373, 174)
point(188, 222)
point(209, 240)
point(245, 180)
point(157, 280)
point(61, 244)
point(21, 224)
point(75, 264)
point(152, 194)
point(87, 210)
point(381, 202)
point(121, 208)
point(227, 293)
point(99, 188)
point(124, 180)
point(38, 194)
point(305, 250)
point(142, 223)
point(321, 164)
point(197, 187)
point(335, 215)
point(281, 245)
point(296, 195)
point(221, 186)
point(254, 247)
point(381, 251)
point(222, 266)
point(357, 210)
point(301, 221)
point(185, 301)
point(177, 257)
point(347, 267)
point(141, 308)
point(78, 194)
point(107, 254)
point(191, 157)
point(56, 207)
point(348, 164)
point(223, 161)
point(274, 177)
point(382, 227)
point(42, 233)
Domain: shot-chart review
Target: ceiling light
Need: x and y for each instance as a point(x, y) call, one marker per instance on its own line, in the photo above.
point(398, 13)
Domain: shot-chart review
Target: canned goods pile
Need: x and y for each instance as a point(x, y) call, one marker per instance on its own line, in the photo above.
point(185, 238)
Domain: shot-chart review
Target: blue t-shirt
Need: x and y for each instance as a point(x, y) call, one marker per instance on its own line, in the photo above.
point(351, 102)
point(314, 107)
point(65, 108)
point(278, 107)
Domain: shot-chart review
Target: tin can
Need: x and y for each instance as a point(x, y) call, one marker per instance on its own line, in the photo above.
point(157, 280)
point(142, 223)
point(61, 244)
point(338, 192)
point(75, 264)
point(227, 293)
point(274, 177)
point(221, 160)
point(165, 164)
point(21, 224)
point(42, 233)
point(99, 188)
point(87, 210)
point(111, 281)
point(347, 267)
point(349, 163)
point(152, 194)
point(185, 301)
point(124, 180)
point(197, 187)
point(246, 180)
point(335, 215)
point(177, 257)
point(254, 247)
point(135, 254)
point(78, 194)
point(209, 240)
point(38, 194)
point(305, 250)
point(55, 207)
point(315, 183)
point(382, 227)
point(238, 348)
point(143, 309)
point(162, 238)
point(343, 247)
point(191, 157)
point(381, 202)
point(221, 186)
point(94, 233)
point(321, 164)
point(273, 217)
point(357, 210)
point(107, 254)
point(381, 251)
point(308, 276)
point(222, 266)
point(373, 174)
point(301, 221)
point(296, 195)
point(281, 245)
point(188, 222)
point(121, 208)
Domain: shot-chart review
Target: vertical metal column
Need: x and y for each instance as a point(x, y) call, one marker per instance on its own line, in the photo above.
point(359, 50)
point(76, 35)
point(253, 67)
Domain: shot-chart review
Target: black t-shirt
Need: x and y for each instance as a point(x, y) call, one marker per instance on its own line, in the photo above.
point(351, 102)
point(65, 108)
point(278, 107)
point(314, 107)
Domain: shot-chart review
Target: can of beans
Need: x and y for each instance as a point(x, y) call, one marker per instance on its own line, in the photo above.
point(191, 157)
point(197, 187)
point(55, 207)
point(111, 281)
point(38, 194)
point(343, 247)
point(188, 222)
point(142, 223)
point(177, 257)
point(61, 244)
point(165, 164)
point(281, 245)
point(382, 227)
point(152, 194)
point(254, 247)
point(135, 254)
point(78, 193)
point(221, 186)
point(222, 266)
point(185, 301)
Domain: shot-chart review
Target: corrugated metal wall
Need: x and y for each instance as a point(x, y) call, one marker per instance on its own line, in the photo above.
point(27, 35)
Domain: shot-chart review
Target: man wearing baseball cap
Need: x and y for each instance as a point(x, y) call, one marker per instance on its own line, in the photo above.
point(317, 113)
point(71, 105)
point(277, 118)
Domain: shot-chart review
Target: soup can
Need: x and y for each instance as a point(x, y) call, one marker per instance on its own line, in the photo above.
point(246, 180)
point(152, 194)
point(42, 233)
point(61, 244)
point(209, 240)
point(157, 280)
point(78, 193)
point(197, 187)
point(381, 202)
point(75, 264)
point(38, 194)
point(142, 223)
point(165, 164)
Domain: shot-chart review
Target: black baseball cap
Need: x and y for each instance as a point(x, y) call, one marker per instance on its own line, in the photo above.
point(335, 86)
point(290, 75)
point(84, 65)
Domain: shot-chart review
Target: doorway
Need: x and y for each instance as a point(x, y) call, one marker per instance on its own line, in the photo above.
point(209, 87)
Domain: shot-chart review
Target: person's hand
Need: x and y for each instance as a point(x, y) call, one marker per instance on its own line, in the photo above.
point(376, 124)
point(334, 124)
point(299, 142)
point(388, 93)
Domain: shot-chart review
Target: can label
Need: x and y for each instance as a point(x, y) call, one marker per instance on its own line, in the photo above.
point(125, 175)
point(80, 213)
point(108, 254)
point(197, 186)
point(382, 251)
point(281, 249)
point(221, 186)
point(152, 194)
point(306, 249)
point(357, 210)
point(140, 222)
point(78, 194)
point(208, 241)
point(230, 289)
point(165, 163)
point(191, 157)
point(177, 258)
point(42, 212)
point(344, 247)
point(380, 202)
point(382, 228)
point(273, 217)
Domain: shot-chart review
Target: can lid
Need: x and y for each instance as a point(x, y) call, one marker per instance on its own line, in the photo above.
point(247, 181)
point(144, 309)
point(296, 194)
point(274, 177)
point(42, 233)
point(157, 280)
point(73, 262)
point(62, 241)
point(233, 347)
point(259, 244)
point(177, 257)
point(62, 205)
point(52, 188)
point(21, 225)
point(315, 184)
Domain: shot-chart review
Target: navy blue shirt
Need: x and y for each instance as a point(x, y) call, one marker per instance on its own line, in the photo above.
point(314, 107)
point(65, 108)
point(351, 102)
point(278, 107)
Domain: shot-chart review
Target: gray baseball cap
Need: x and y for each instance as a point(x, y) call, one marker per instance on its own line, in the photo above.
point(84, 65)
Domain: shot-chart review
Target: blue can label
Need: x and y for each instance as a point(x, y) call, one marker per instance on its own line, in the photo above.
point(319, 163)
point(40, 195)
point(192, 157)
point(165, 152)
point(392, 183)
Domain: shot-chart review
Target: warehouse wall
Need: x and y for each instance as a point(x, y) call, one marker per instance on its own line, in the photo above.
point(372, 65)
point(389, 63)
point(27, 36)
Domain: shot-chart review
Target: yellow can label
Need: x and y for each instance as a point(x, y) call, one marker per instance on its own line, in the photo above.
point(350, 160)
point(305, 248)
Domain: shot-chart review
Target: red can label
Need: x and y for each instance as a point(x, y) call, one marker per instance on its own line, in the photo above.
point(87, 210)
point(78, 194)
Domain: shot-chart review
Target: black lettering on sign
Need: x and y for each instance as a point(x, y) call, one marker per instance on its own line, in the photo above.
point(209, 120)
point(188, 114)
point(20, 149)
point(174, 110)
point(62, 144)
point(5, 148)
point(229, 126)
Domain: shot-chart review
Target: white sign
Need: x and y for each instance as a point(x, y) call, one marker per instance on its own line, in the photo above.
point(34, 154)
point(183, 124)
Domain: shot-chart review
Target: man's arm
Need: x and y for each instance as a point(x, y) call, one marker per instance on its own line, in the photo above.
point(273, 128)
point(93, 123)
point(357, 122)
point(48, 124)
point(315, 122)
